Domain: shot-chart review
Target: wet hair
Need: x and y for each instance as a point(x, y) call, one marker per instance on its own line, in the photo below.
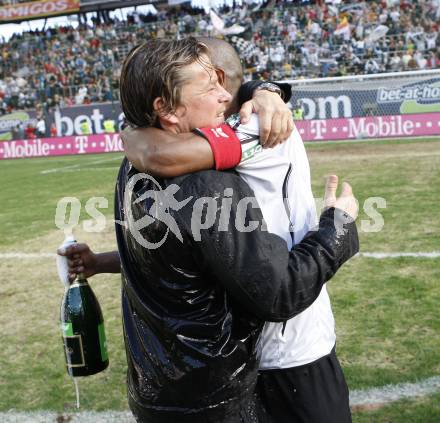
point(155, 69)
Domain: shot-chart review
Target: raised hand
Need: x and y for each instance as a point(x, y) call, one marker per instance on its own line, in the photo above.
point(346, 201)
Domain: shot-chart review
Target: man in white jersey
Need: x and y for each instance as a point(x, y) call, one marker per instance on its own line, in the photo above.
point(280, 178)
point(300, 377)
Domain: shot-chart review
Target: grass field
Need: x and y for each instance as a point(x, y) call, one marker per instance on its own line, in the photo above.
point(387, 317)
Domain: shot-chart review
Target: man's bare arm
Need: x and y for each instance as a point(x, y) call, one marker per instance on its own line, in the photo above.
point(164, 154)
point(81, 259)
point(168, 155)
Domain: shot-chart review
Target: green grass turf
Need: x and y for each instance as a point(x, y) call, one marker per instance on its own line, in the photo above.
point(386, 310)
point(420, 410)
point(406, 174)
point(29, 198)
point(32, 368)
point(387, 320)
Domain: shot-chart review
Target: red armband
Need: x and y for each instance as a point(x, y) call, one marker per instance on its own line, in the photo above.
point(225, 145)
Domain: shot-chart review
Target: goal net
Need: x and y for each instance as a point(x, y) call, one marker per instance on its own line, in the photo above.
point(407, 101)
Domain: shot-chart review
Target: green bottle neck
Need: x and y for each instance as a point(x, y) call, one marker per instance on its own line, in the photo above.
point(80, 279)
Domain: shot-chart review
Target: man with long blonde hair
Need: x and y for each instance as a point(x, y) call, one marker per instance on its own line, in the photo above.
point(194, 307)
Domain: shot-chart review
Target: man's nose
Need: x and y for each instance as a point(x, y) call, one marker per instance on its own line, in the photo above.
point(224, 97)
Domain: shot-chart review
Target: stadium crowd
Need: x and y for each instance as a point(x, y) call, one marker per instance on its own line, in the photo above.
point(63, 66)
point(9, 2)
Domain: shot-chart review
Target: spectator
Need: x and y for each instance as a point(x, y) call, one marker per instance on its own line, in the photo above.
point(371, 65)
point(85, 127)
point(407, 56)
point(396, 63)
point(40, 129)
point(433, 61)
point(29, 132)
point(15, 133)
point(81, 95)
point(62, 66)
point(298, 111)
point(420, 60)
point(412, 64)
point(53, 130)
point(109, 126)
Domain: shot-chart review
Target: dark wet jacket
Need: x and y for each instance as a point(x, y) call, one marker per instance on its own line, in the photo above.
point(193, 309)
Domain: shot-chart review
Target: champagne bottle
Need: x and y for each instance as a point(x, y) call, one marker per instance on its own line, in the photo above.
point(82, 325)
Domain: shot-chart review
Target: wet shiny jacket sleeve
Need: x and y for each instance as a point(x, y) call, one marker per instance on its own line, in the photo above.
point(255, 267)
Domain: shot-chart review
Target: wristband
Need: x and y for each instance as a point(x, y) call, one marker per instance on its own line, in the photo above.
point(225, 145)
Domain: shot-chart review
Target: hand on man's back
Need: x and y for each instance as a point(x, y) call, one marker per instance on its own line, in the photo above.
point(275, 118)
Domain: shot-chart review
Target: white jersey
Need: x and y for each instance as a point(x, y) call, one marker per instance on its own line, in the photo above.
point(280, 179)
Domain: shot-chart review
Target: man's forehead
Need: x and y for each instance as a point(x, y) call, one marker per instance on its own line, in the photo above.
point(199, 74)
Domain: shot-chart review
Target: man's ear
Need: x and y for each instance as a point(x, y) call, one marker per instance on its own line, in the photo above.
point(221, 75)
point(158, 106)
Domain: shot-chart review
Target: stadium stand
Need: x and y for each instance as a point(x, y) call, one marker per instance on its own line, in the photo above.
point(8, 2)
point(66, 66)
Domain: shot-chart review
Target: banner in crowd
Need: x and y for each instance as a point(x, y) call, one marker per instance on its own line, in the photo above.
point(14, 120)
point(367, 98)
point(61, 146)
point(318, 100)
point(36, 9)
point(67, 121)
point(397, 126)
point(371, 127)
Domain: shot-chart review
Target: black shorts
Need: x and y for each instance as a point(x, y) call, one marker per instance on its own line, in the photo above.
point(312, 393)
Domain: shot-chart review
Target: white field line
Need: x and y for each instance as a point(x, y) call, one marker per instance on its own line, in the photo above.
point(54, 417)
point(367, 140)
point(18, 255)
point(390, 393)
point(87, 169)
point(432, 254)
point(373, 396)
point(78, 165)
point(380, 156)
